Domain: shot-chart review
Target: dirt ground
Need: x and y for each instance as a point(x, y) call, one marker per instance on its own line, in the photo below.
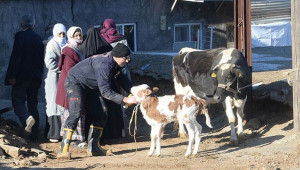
point(273, 145)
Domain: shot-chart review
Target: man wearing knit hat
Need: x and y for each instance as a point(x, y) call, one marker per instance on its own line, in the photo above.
point(96, 72)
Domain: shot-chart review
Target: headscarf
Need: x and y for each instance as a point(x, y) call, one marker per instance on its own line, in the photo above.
point(94, 44)
point(70, 33)
point(109, 31)
point(58, 28)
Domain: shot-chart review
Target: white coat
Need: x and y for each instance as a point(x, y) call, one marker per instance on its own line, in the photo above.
point(52, 55)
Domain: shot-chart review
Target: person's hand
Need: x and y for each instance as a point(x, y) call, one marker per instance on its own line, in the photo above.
point(12, 81)
point(130, 100)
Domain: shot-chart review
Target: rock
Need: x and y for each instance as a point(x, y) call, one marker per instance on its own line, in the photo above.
point(19, 139)
point(11, 150)
point(41, 154)
point(25, 163)
point(298, 148)
point(253, 123)
point(1, 153)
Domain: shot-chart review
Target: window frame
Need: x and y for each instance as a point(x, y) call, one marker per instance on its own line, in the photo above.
point(134, 35)
point(200, 36)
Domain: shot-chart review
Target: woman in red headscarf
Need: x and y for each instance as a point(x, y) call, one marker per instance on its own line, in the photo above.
point(115, 125)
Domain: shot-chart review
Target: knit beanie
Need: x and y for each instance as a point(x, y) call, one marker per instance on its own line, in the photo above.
point(120, 50)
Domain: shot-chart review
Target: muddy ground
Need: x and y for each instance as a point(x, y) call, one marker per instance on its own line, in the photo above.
point(273, 145)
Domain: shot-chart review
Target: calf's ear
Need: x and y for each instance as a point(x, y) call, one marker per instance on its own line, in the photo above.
point(147, 92)
point(155, 89)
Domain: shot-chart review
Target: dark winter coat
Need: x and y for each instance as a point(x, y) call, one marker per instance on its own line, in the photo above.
point(27, 58)
point(100, 71)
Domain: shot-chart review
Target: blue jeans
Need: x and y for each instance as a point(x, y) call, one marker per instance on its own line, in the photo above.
point(28, 91)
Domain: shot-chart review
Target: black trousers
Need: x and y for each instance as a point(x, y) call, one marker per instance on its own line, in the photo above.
point(77, 94)
point(26, 91)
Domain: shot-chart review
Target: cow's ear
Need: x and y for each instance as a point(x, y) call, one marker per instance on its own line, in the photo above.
point(155, 89)
point(147, 92)
point(213, 74)
point(238, 73)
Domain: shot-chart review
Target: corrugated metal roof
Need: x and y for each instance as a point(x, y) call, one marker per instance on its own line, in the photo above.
point(266, 11)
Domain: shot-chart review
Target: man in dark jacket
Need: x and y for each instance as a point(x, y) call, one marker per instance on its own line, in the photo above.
point(24, 74)
point(96, 72)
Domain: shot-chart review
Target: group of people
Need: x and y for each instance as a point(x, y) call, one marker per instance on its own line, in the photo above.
point(86, 84)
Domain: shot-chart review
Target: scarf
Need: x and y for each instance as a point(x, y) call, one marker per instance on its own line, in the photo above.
point(94, 44)
point(70, 33)
point(57, 29)
point(109, 32)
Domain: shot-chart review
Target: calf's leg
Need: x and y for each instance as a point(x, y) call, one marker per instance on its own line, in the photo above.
point(198, 129)
point(181, 131)
point(159, 134)
point(152, 147)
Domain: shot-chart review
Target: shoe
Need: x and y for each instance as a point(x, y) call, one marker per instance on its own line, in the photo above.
point(29, 123)
point(78, 144)
point(53, 140)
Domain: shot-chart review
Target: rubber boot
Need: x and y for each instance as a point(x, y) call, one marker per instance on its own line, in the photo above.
point(65, 143)
point(94, 148)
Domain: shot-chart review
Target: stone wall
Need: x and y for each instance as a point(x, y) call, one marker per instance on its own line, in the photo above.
point(87, 13)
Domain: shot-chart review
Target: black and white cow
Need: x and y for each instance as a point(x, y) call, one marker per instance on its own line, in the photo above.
point(216, 75)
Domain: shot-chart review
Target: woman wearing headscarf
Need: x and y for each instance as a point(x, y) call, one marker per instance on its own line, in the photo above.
point(52, 55)
point(115, 126)
point(69, 57)
point(94, 43)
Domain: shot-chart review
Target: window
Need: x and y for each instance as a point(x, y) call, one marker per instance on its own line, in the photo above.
point(188, 34)
point(129, 30)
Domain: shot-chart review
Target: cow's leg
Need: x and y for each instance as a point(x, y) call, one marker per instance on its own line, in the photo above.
point(240, 104)
point(191, 131)
point(153, 136)
point(181, 130)
point(198, 129)
point(231, 118)
point(159, 133)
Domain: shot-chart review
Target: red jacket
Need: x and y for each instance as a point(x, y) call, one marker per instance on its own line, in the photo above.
point(68, 59)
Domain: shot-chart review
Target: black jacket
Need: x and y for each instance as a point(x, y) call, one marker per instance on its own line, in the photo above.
point(27, 58)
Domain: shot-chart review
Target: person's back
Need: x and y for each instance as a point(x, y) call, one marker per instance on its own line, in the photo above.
point(84, 71)
point(32, 51)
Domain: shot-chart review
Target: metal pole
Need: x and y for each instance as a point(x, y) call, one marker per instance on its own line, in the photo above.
point(295, 13)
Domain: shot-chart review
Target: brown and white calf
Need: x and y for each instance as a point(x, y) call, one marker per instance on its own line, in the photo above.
point(159, 111)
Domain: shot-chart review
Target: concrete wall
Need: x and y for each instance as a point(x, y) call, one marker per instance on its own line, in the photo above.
point(87, 13)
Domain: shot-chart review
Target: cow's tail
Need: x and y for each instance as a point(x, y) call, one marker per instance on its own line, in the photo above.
point(207, 117)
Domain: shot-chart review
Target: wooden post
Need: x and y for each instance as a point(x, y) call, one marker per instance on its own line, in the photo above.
point(242, 28)
point(242, 40)
point(295, 13)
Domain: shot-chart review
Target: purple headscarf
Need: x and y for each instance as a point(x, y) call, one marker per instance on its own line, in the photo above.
point(109, 32)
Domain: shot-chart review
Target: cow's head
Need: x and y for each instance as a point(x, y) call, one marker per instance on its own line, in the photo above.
point(226, 77)
point(142, 91)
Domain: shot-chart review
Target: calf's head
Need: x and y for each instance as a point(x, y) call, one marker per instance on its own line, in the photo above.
point(142, 91)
